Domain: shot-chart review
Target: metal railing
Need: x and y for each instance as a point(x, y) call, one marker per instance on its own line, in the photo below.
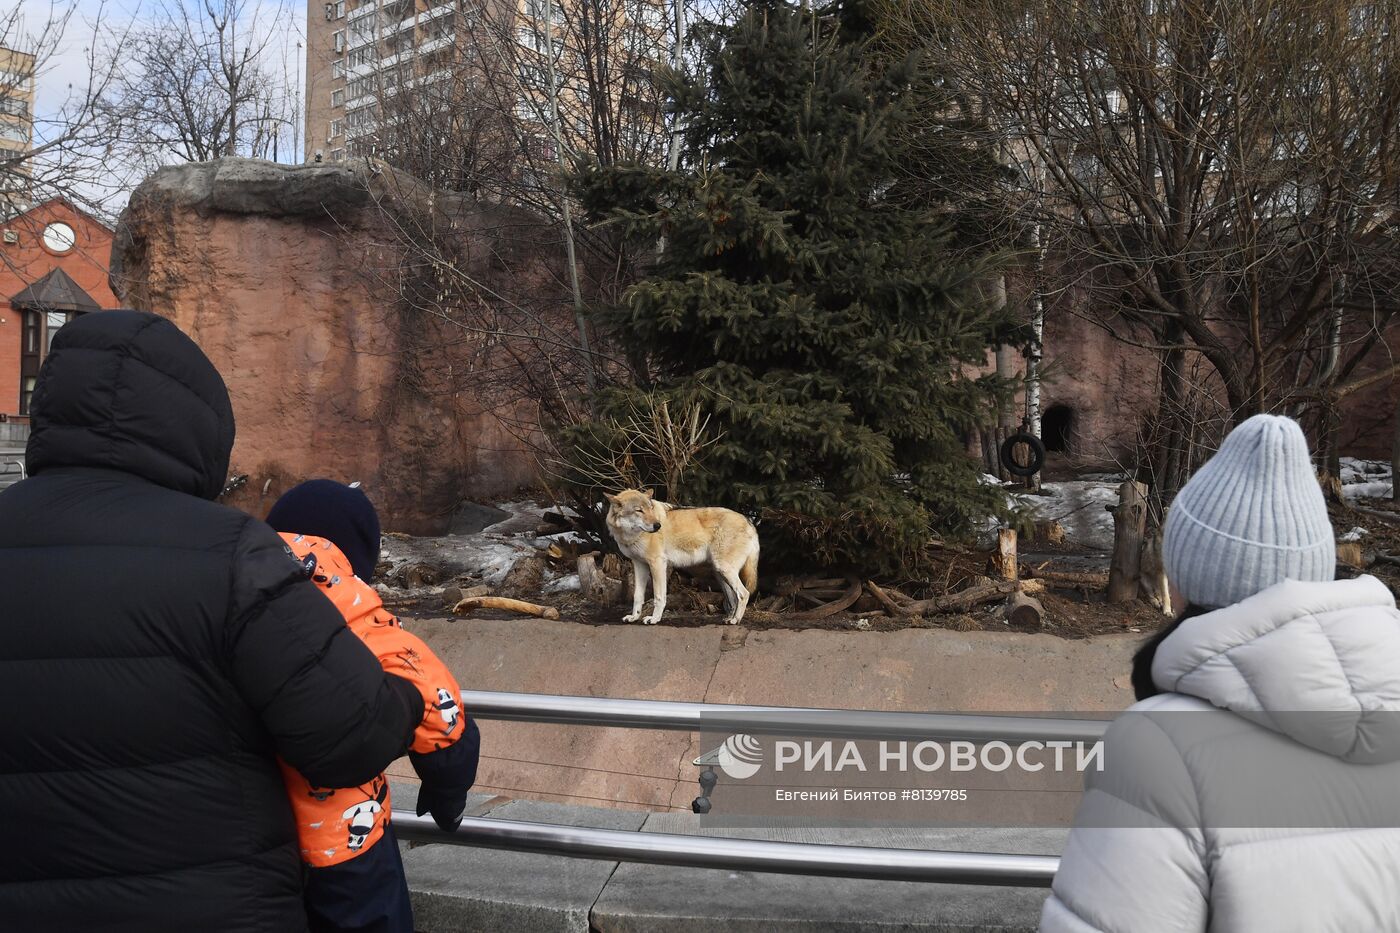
point(792, 858)
point(779, 720)
point(885, 864)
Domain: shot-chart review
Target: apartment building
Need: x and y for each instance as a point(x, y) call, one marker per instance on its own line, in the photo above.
point(361, 52)
point(16, 128)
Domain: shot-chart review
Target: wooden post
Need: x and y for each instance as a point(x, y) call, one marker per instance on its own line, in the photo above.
point(1129, 525)
point(1005, 559)
point(1395, 456)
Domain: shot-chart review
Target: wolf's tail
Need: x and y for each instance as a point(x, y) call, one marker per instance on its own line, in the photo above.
point(748, 575)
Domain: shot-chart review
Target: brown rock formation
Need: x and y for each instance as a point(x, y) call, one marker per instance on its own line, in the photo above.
point(290, 279)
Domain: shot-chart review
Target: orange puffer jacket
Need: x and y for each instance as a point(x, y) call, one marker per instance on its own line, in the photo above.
point(335, 825)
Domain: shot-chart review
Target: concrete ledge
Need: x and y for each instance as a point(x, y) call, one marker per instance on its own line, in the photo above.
point(663, 898)
point(457, 888)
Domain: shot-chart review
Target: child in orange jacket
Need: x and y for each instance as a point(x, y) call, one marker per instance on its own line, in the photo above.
point(355, 880)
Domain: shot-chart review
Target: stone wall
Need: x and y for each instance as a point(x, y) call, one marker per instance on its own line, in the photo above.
point(287, 277)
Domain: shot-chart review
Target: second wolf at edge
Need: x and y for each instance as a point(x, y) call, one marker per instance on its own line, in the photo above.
point(657, 536)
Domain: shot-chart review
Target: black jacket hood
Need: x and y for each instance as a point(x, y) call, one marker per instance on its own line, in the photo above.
point(129, 391)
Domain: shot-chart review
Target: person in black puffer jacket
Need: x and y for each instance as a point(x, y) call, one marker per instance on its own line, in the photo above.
point(158, 652)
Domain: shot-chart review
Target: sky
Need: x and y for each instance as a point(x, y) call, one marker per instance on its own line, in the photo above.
point(66, 72)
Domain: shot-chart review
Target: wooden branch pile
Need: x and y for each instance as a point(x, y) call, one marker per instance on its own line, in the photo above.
point(828, 597)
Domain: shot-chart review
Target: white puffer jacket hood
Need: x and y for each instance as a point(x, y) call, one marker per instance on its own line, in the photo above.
point(1299, 647)
point(1166, 839)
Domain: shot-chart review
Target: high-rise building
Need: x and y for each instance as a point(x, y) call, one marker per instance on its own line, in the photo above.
point(361, 53)
point(16, 128)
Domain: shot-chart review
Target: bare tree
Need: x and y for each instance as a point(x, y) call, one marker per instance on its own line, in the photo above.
point(500, 108)
point(202, 81)
point(65, 143)
point(1220, 179)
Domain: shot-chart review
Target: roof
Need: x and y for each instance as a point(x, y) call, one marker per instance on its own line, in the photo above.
point(65, 202)
point(54, 292)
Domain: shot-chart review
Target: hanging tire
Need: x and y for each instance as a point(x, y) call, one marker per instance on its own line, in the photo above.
point(1008, 448)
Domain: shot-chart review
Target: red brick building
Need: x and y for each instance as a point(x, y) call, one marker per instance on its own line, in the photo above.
point(53, 267)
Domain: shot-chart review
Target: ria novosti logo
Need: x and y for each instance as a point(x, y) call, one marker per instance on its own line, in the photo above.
point(740, 756)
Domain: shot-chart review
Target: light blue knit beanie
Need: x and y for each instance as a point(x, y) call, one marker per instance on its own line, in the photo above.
point(1251, 517)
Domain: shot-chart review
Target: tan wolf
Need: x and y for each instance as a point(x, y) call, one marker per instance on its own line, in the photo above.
point(658, 536)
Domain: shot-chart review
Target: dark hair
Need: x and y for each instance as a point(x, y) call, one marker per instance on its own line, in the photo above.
point(1143, 685)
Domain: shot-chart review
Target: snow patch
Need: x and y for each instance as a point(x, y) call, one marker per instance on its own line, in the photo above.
point(1365, 479)
point(1079, 507)
point(564, 584)
point(488, 555)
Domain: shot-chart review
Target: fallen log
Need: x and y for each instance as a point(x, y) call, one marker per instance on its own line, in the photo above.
point(1068, 579)
point(1025, 611)
point(833, 607)
point(1390, 517)
point(789, 586)
point(884, 599)
point(974, 596)
point(506, 604)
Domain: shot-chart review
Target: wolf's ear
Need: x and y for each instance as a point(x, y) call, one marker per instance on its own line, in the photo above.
point(649, 493)
point(610, 497)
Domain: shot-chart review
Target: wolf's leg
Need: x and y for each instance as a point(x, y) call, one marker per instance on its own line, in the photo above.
point(658, 592)
point(741, 594)
point(640, 575)
point(727, 591)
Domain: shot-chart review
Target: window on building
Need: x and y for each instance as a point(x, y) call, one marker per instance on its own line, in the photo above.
point(36, 338)
point(537, 11)
point(400, 41)
point(338, 98)
point(337, 155)
point(649, 13)
point(338, 68)
point(14, 106)
point(338, 40)
point(361, 56)
point(337, 127)
point(361, 119)
point(30, 342)
point(438, 28)
point(362, 30)
point(340, 9)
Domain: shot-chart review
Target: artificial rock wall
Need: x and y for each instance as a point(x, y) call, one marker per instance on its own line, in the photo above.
point(285, 276)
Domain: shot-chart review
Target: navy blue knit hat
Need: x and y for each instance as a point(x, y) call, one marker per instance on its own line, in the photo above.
point(341, 514)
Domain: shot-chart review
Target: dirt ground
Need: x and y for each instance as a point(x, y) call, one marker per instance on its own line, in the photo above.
point(1070, 612)
point(1380, 545)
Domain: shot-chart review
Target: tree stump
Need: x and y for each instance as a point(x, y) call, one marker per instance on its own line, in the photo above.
point(596, 586)
point(1129, 525)
point(1049, 532)
point(1004, 560)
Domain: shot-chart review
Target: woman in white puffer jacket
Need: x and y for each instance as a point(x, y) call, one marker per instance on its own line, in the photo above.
point(1282, 814)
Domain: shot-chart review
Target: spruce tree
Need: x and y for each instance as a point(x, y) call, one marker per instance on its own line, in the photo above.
point(820, 317)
